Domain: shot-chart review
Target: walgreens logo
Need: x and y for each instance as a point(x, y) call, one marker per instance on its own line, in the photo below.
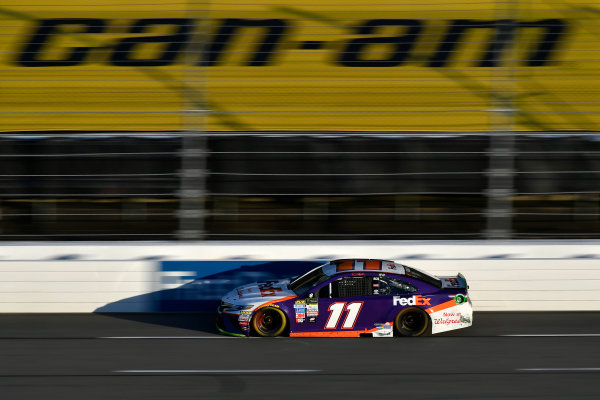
point(417, 300)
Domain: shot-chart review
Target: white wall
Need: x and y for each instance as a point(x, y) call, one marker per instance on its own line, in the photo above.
point(504, 276)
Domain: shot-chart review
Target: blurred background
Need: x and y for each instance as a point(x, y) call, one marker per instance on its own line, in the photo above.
point(281, 120)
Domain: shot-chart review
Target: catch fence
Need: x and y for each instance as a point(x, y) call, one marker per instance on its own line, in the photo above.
point(299, 120)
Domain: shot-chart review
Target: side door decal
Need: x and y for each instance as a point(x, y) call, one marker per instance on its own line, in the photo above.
point(337, 309)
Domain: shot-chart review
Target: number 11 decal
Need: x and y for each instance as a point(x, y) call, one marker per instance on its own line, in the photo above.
point(335, 313)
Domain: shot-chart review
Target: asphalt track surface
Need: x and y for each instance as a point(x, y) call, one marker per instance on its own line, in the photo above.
point(181, 356)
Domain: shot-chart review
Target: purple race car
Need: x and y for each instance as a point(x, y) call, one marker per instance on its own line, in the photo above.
point(349, 298)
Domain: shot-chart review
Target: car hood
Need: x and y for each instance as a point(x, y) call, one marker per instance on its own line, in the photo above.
point(258, 293)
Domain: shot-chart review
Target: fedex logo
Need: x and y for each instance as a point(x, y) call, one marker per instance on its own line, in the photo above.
point(417, 300)
point(267, 288)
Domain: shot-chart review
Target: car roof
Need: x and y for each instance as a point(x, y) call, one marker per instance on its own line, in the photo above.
point(362, 264)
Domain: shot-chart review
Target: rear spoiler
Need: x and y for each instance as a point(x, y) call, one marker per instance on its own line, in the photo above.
point(454, 282)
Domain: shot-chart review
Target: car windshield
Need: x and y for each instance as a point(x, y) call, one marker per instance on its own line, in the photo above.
point(307, 281)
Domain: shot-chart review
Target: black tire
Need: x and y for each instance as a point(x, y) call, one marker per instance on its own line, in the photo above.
point(269, 321)
point(412, 321)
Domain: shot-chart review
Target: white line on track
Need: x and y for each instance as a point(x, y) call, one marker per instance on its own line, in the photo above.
point(558, 369)
point(554, 335)
point(169, 337)
point(215, 371)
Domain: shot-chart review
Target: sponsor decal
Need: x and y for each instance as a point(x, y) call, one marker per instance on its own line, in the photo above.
point(300, 304)
point(383, 330)
point(417, 300)
point(387, 325)
point(270, 305)
point(267, 288)
point(460, 298)
point(450, 318)
point(300, 310)
point(312, 319)
point(244, 316)
point(451, 281)
point(312, 310)
point(269, 292)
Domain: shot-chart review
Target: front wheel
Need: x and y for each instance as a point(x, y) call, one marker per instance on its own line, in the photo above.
point(269, 321)
point(412, 321)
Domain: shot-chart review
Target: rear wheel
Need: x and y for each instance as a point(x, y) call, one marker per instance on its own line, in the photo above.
point(412, 321)
point(269, 321)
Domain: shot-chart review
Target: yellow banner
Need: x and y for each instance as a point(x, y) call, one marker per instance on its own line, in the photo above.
point(107, 65)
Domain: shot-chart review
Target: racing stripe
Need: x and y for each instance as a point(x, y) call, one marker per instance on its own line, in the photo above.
point(440, 307)
point(276, 301)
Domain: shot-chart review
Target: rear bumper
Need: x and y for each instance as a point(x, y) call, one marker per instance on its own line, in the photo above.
point(457, 316)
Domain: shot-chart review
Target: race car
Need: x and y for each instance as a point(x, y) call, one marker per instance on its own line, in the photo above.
point(349, 298)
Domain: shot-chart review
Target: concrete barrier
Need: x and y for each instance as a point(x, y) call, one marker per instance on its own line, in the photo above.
point(171, 276)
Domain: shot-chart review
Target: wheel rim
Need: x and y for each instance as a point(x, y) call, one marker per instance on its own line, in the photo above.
point(412, 322)
point(269, 322)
